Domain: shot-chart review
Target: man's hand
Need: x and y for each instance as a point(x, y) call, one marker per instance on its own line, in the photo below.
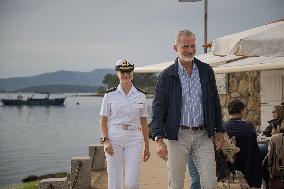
point(219, 140)
point(162, 150)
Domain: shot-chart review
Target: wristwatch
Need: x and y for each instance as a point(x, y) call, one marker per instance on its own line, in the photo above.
point(103, 139)
point(158, 138)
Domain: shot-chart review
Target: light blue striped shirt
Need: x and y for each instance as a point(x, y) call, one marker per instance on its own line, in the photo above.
point(191, 108)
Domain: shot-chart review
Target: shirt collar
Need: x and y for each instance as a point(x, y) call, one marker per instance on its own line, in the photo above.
point(119, 88)
point(132, 89)
point(181, 68)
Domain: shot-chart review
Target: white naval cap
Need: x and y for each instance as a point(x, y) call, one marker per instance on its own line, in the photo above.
point(124, 65)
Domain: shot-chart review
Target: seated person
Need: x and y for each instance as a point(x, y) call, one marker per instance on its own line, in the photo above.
point(272, 127)
point(248, 160)
point(270, 130)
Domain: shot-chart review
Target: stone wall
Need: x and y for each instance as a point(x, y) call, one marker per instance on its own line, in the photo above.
point(244, 86)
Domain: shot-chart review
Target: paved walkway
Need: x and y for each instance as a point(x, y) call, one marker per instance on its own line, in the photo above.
point(153, 175)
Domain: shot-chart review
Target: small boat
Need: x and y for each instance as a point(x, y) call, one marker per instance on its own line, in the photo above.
point(19, 101)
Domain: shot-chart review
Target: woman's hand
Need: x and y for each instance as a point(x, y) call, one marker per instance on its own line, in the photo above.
point(108, 148)
point(146, 154)
point(145, 133)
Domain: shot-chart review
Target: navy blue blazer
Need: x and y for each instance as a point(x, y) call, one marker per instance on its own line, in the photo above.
point(166, 106)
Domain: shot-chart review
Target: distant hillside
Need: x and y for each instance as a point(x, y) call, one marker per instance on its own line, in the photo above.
point(93, 78)
point(60, 89)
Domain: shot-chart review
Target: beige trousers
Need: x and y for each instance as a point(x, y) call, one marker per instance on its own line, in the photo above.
point(201, 147)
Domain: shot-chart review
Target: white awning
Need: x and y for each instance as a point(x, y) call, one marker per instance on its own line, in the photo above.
point(208, 58)
point(252, 64)
point(266, 40)
point(267, 43)
point(153, 68)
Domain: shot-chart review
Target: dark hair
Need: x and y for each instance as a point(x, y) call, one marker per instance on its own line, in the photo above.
point(235, 106)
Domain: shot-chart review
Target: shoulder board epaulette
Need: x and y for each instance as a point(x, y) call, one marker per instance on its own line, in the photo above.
point(140, 90)
point(111, 89)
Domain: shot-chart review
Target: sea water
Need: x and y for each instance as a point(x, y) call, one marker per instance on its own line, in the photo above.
point(37, 140)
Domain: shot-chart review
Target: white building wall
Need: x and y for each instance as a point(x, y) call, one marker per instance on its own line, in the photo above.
point(271, 93)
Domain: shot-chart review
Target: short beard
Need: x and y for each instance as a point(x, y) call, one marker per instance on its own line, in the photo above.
point(186, 59)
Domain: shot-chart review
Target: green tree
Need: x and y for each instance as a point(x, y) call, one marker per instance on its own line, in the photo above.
point(146, 81)
point(110, 80)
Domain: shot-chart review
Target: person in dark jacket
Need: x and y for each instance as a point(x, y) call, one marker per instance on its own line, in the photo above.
point(270, 130)
point(248, 160)
point(272, 124)
point(187, 112)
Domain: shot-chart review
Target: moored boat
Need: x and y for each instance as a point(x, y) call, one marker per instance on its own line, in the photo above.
point(19, 101)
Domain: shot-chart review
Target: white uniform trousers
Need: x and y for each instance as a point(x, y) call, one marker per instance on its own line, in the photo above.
point(200, 146)
point(127, 146)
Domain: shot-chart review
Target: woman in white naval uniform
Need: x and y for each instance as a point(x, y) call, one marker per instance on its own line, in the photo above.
point(124, 127)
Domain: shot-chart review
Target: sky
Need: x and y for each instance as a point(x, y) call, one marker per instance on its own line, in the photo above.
point(82, 35)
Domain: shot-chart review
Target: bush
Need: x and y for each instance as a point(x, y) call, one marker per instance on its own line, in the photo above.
point(30, 178)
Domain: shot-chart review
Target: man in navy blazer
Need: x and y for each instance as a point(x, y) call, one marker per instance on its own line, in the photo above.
point(187, 112)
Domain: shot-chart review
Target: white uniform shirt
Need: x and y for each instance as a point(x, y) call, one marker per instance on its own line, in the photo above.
point(124, 110)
